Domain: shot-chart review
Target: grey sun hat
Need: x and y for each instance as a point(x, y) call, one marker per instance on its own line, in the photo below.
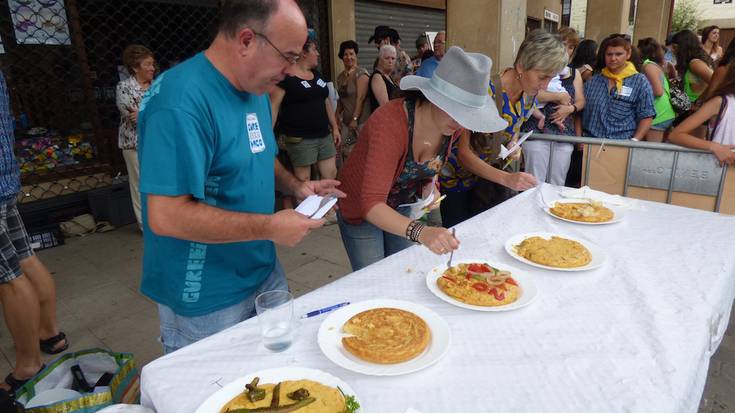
point(459, 87)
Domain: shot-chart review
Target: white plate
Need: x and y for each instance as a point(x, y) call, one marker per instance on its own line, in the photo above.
point(618, 211)
point(330, 339)
point(528, 288)
point(598, 254)
point(216, 401)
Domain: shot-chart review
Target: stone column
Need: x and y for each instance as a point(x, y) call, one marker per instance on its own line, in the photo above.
point(652, 20)
point(341, 27)
point(492, 27)
point(605, 17)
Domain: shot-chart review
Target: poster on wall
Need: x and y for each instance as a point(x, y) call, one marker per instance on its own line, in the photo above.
point(40, 22)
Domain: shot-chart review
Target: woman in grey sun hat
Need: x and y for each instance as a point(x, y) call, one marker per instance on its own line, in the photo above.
point(391, 177)
point(459, 87)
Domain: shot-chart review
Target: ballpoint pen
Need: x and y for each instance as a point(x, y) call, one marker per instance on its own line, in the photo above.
point(324, 310)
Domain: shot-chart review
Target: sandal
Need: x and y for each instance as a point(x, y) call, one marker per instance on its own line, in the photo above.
point(16, 384)
point(48, 345)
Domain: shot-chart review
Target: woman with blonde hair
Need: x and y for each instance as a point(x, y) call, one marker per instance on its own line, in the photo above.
point(474, 180)
point(141, 66)
point(560, 103)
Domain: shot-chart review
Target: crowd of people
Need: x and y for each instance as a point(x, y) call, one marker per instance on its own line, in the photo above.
point(411, 149)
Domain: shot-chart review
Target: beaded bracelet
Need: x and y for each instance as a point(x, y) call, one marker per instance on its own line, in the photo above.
point(409, 228)
point(413, 231)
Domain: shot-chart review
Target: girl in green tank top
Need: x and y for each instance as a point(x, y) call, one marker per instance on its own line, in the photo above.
point(653, 53)
point(662, 104)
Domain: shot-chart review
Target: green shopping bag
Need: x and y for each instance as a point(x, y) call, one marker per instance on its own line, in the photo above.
point(94, 363)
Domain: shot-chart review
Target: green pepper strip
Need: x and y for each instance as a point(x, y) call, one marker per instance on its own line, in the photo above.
point(276, 396)
point(281, 409)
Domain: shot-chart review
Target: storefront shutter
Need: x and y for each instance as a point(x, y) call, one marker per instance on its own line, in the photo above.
point(407, 20)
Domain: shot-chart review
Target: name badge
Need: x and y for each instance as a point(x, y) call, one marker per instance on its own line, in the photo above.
point(257, 144)
point(626, 91)
point(321, 83)
point(305, 84)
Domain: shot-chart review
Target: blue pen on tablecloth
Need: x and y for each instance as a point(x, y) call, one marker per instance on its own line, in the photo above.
point(324, 310)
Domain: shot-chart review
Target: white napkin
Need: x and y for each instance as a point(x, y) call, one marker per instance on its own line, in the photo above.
point(504, 152)
point(310, 205)
point(418, 208)
point(411, 410)
point(586, 192)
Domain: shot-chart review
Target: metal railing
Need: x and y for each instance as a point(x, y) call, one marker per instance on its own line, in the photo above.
point(691, 170)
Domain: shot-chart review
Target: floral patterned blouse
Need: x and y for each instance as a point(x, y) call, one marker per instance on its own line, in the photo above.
point(129, 95)
point(454, 177)
point(415, 176)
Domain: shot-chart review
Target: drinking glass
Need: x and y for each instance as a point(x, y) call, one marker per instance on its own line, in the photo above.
point(276, 319)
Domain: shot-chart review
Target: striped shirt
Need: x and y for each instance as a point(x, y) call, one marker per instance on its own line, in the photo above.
point(612, 115)
point(9, 172)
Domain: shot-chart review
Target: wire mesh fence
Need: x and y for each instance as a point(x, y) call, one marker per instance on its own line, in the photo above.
point(62, 61)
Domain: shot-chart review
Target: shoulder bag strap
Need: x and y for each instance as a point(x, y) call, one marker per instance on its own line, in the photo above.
point(720, 115)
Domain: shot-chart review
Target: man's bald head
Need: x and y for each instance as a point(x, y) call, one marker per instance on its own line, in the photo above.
point(258, 41)
point(235, 15)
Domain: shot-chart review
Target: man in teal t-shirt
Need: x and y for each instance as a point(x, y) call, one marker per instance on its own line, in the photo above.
point(208, 170)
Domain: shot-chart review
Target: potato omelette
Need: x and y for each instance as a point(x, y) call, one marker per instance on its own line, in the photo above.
point(386, 335)
point(327, 399)
point(555, 252)
point(479, 284)
point(583, 211)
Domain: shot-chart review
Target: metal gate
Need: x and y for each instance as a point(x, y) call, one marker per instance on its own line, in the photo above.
point(408, 21)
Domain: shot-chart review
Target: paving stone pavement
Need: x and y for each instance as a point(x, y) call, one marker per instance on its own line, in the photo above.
point(99, 304)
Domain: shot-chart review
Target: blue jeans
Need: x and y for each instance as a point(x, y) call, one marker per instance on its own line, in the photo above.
point(365, 243)
point(178, 331)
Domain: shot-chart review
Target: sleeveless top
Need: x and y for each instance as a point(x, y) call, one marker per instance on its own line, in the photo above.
point(415, 176)
point(690, 78)
point(662, 104)
point(724, 133)
point(390, 87)
point(347, 91)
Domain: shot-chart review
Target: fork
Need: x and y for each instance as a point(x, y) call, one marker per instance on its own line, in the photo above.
point(541, 195)
point(451, 254)
point(325, 200)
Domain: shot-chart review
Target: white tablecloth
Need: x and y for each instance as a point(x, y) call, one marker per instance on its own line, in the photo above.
point(633, 336)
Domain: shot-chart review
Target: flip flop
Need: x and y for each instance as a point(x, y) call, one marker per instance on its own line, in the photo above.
point(47, 345)
point(16, 384)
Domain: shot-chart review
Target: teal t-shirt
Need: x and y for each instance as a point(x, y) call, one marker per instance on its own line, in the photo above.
point(200, 136)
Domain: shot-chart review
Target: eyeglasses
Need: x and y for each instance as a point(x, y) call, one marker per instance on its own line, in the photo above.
point(290, 59)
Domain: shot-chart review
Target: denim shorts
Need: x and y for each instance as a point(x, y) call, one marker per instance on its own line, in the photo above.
point(15, 246)
point(663, 125)
point(179, 331)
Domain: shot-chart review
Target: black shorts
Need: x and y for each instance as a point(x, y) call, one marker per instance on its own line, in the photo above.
point(15, 245)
